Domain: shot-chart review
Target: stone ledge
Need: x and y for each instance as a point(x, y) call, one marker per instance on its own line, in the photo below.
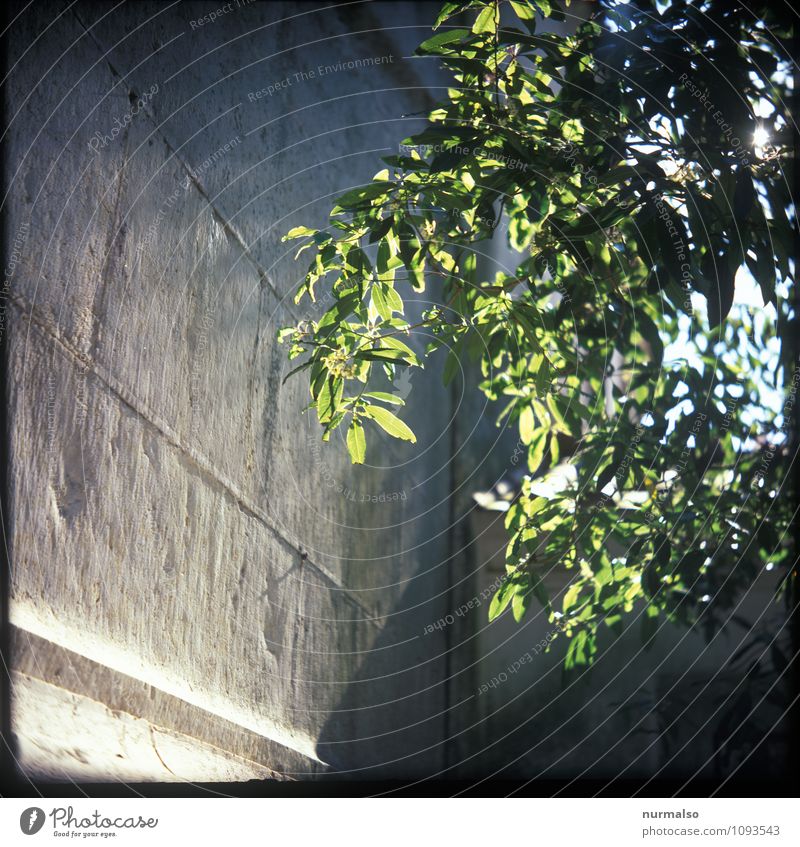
point(77, 719)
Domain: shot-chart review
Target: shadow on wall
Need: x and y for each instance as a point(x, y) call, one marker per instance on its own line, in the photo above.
point(682, 709)
point(391, 721)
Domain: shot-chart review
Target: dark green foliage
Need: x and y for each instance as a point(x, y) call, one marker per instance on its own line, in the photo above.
point(623, 162)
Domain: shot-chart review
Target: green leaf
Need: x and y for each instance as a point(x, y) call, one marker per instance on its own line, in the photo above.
point(332, 424)
point(744, 196)
point(649, 331)
point(606, 475)
point(580, 651)
point(452, 8)
point(359, 197)
point(765, 273)
point(379, 300)
point(485, 20)
point(571, 596)
point(452, 364)
point(441, 40)
point(501, 599)
point(527, 327)
point(384, 354)
point(521, 601)
point(395, 343)
point(537, 448)
point(653, 570)
point(527, 423)
point(390, 423)
point(380, 230)
point(385, 397)
point(393, 299)
point(298, 232)
point(356, 443)
point(329, 397)
point(524, 11)
point(448, 160)
point(386, 263)
point(720, 293)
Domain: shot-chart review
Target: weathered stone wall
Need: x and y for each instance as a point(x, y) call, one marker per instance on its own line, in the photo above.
point(175, 519)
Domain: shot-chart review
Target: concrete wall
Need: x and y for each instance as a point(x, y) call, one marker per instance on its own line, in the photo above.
point(175, 518)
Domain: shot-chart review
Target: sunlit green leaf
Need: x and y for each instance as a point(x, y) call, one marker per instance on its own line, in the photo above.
point(390, 423)
point(356, 442)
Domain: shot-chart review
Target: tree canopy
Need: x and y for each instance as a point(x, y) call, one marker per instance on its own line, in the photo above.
point(640, 169)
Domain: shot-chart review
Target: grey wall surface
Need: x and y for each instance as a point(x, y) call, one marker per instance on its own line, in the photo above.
point(175, 518)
